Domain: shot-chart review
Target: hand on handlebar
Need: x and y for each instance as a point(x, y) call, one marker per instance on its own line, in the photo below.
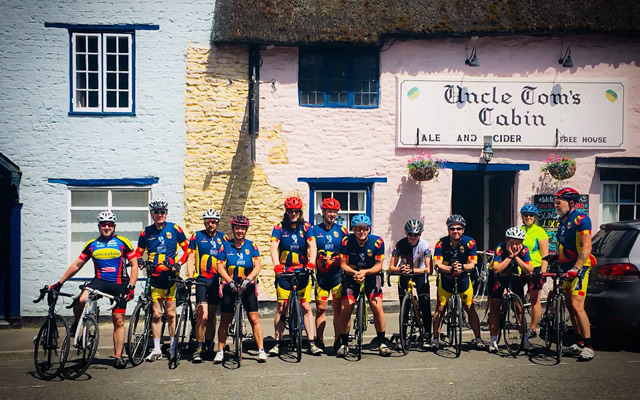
point(130, 293)
point(310, 266)
point(56, 286)
point(232, 285)
point(278, 269)
point(245, 283)
point(573, 272)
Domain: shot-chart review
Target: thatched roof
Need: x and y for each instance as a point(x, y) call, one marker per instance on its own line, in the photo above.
point(299, 22)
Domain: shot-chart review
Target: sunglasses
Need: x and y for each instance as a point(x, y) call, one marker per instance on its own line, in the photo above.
point(528, 215)
point(101, 224)
point(361, 228)
point(161, 212)
point(413, 234)
point(456, 228)
point(294, 211)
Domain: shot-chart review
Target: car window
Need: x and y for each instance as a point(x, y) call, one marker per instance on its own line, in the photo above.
point(613, 243)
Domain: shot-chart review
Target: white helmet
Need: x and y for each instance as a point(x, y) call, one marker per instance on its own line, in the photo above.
point(158, 204)
point(106, 216)
point(211, 214)
point(515, 233)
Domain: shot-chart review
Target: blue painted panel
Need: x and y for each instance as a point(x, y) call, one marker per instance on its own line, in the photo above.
point(103, 28)
point(106, 182)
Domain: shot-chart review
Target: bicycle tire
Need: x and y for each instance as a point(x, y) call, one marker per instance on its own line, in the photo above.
point(138, 333)
point(295, 328)
point(237, 334)
point(457, 325)
point(547, 325)
point(360, 325)
point(405, 323)
point(86, 349)
point(181, 334)
point(514, 324)
point(558, 322)
point(51, 347)
point(481, 297)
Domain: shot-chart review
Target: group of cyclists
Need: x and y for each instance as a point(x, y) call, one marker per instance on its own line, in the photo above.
point(343, 264)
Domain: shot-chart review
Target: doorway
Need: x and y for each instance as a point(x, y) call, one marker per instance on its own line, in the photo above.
point(484, 199)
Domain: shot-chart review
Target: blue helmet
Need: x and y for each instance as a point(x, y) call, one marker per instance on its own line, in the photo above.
point(529, 208)
point(360, 219)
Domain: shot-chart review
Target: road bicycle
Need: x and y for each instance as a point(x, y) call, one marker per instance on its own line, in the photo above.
point(84, 344)
point(481, 285)
point(453, 318)
point(238, 327)
point(51, 345)
point(553, 323)
point(293, 319)
point(513, 322)
point(186, 325)
point(411, 328)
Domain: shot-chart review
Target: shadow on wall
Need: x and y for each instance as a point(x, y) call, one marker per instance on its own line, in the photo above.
point(408, 206)
point(546, 184)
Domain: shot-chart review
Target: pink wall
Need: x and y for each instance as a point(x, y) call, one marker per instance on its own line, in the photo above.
point(329, 142)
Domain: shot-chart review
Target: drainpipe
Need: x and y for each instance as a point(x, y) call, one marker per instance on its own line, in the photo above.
point(254, 94)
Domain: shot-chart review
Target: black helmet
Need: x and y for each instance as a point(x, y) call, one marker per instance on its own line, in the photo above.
point(413, 227)
point(456, 219)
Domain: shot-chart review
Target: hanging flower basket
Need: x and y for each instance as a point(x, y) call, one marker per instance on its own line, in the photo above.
point(560, 167)
point(424, 168)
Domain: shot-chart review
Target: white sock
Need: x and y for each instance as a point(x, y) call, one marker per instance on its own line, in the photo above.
point(156, 345)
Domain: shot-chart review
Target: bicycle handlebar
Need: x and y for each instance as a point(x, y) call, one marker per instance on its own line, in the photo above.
point(46, 290)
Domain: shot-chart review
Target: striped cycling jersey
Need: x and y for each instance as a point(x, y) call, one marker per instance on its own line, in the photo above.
point(108, 257)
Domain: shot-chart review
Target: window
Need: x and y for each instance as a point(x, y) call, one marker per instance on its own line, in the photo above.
point(620, 201)
point(102, 73)
point(351, 202)
point(130, 204)
point(338, 78)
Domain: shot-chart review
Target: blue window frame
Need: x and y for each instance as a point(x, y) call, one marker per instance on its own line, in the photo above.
point(354, 194)
point(347, 78)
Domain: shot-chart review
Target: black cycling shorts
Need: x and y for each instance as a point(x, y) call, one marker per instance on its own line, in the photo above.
point(113, 289)
point(208, 294)
point(420, 282)
point(536, 284)
point(497, 285)
point(249, 299)
point(372, 287)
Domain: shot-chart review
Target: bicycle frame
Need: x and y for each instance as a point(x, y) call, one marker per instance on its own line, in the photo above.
point(294, 308)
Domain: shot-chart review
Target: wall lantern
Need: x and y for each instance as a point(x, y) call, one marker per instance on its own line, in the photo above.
point(487, 149)
point(566, 61)
point(472, 61)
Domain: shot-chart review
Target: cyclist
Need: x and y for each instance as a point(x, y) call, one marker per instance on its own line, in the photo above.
point(328, 236)
point(455, 256)
point(414, 256)
point(537, 241)
point(361, 256)
point(108, 253)
point(204, 246)
point(239, 258)
point(293, 247)
point(574, 253)
point(161, 241)
point(511, 257)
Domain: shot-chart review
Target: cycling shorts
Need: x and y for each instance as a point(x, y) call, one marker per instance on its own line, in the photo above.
point(372, 287)
point(158, 294)
point(323, 294)
point(466, 296)
point(578, 286)
point(113, 289)
point(249, 299)
point(498, 284)
point(208, 294)
point(536, 284)
point(283, 289)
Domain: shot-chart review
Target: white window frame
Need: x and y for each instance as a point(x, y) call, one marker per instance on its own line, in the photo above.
point(343, 212)
point(102, 73)
point(109, 189)
point(618, 203)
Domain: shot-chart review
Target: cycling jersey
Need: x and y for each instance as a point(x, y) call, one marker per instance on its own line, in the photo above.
point(464, 251)
point(239, 261)
point(497, 284)
point(162, 244)
point(363, 257)
point(534, 235)
point(206, 250)
point(501, 254)
point(108, 257)
point(292, 243)
point(572, 227)
point(412, 255)
point(328, 272)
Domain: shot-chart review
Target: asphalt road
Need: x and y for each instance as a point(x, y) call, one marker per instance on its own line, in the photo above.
point(613, 374)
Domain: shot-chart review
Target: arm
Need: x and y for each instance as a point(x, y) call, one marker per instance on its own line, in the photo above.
point(345, 266)
point(585, 243)
point(275, 255)
point(257, 266)
point(393, 265)
point(313, 250)
point(544, 249)
point(377, 267)
point(428, 265)
point(524, 265)
point(191, 262)
point(222, 271)
point(73, 269)
point(134, 270)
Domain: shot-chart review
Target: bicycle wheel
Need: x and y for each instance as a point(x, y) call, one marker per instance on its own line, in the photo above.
point(51, 347)
point(138, 333)
point(295, 327)
point(182, 334)
point(360, 325)
point(558, 324)
point(82, 352)
point(515, 323)
point(457, 325)
point(481, 296)
point(546, 324)
point(406, 323)
point(237, 334)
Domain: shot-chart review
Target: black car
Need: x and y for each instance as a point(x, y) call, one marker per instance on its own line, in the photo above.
point(613, 295)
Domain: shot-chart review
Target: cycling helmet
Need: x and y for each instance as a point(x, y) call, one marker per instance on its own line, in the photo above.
point(413, 227)
point(568, 194)
point(529, 208)
point(330, 204)
point(211, 214)
point(293, 203)
point(456, 219)
point(239, 220)
point(158, 204)
point(106, 216)
point(515, 233)
point(361, 219)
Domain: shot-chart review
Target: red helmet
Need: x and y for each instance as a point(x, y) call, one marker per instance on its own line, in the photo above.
point(293, 203)
point(330, 204)
point(568, 194)
point(240, 220)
